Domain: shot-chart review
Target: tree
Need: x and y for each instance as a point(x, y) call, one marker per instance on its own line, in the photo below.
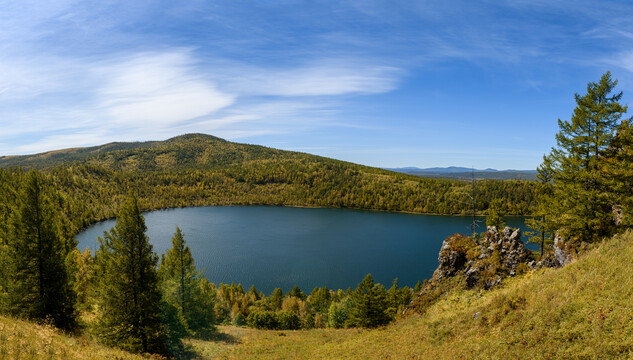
point(129, 287)
point(619, 167)
point(370, 304)
point(338, 313)
point(320, 299)
point(495, 214)
point(540, 224)
point(183, 286)
point(276, 299)
point(39, 287)
point(296, 292)
point(581, 184)
point(8, 204)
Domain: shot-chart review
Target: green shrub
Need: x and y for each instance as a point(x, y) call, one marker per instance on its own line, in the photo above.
point(263, 320)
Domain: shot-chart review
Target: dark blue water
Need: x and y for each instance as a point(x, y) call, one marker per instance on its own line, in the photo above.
point(273, 247)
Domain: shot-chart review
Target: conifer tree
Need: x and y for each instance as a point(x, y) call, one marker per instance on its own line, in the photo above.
point(619, 167)
point(184, 286)
point(495, 214)
point(370, 304)
point(276, 298)
point(541, 226)
point(584, 202)
point(129, 291)
point(39, 285)
point(8, 197)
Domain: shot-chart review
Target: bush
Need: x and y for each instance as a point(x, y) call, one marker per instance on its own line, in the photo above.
point(238, 320)
point(263, 320)
point(288, 321)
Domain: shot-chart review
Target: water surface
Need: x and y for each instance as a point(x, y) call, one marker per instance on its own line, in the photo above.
point(273, 247)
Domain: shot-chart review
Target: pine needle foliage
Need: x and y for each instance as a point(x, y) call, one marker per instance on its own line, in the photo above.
point(186, 288)
point(38, 283)
point(129, 294)
point(583, 208)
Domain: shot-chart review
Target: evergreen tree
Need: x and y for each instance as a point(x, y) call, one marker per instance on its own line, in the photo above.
point(8, 200)
point(619, 167)
point(296, 292)
point(39, 285)
point(320, 299)
point(581, 184)
point(129, 287)
point(338, 313)
point(418, 287)
point(495, 214)
point(370, 304)
point(276, 299)
point(183, 286)
point(541, 225)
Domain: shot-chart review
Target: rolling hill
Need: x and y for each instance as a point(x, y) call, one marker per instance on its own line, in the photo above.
point(203, 170)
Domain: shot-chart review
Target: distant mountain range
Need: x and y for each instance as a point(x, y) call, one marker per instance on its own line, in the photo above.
point(455, 172)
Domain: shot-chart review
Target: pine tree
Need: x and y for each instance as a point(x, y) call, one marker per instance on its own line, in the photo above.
point(276, 298)
point(129, 287)
point(495, 214)
point(581, 184)
point(540, 224)
point(370, 304)
point(619, 167)
point(183, 286)
point(39, 286)
point(8, 200)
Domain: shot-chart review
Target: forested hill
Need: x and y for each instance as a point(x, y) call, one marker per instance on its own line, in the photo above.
point(183, 150)
point(202, 170)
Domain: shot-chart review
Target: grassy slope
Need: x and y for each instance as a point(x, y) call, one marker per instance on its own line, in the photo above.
point(24, 340)
point(583, 311)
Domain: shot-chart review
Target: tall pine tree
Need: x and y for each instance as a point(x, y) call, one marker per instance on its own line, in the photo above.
point(581, 184)
point(370, 304)
point(619, 166)
point(184, 286)
point(129, 292)
point(39, 285)
point(541, 226)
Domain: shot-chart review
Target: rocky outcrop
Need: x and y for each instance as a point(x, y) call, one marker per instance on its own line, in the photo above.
point(559, 256)
point(483, 261)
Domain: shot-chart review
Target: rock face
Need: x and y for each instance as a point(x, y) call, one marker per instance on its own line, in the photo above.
point(558, 257)
point(483, 261)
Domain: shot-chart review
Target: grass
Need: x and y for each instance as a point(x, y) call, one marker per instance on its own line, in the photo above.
point(24, 340)
point(582, 311)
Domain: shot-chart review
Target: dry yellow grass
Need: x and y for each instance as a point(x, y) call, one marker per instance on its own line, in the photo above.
point(24, 340)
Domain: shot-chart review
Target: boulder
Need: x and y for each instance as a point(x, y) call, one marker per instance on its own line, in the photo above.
point(473, 258)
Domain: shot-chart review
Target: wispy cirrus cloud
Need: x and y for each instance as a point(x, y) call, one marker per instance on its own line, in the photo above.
point(327, 77)
point(157, 89)
point(153, 95)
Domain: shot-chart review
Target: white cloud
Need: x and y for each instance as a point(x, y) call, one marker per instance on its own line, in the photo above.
point(54, 142)
point(323, 78)
point(158, 89)
point(624, 61)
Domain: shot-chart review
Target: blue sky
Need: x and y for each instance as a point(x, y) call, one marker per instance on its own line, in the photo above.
point(381, 83)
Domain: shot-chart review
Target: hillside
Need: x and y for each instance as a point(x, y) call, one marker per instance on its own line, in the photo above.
point(178, 152)
point(581, 311)
point(27, 341)
point(203, 170)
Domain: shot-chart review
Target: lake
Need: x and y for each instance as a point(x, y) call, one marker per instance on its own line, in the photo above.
point(273, 247)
